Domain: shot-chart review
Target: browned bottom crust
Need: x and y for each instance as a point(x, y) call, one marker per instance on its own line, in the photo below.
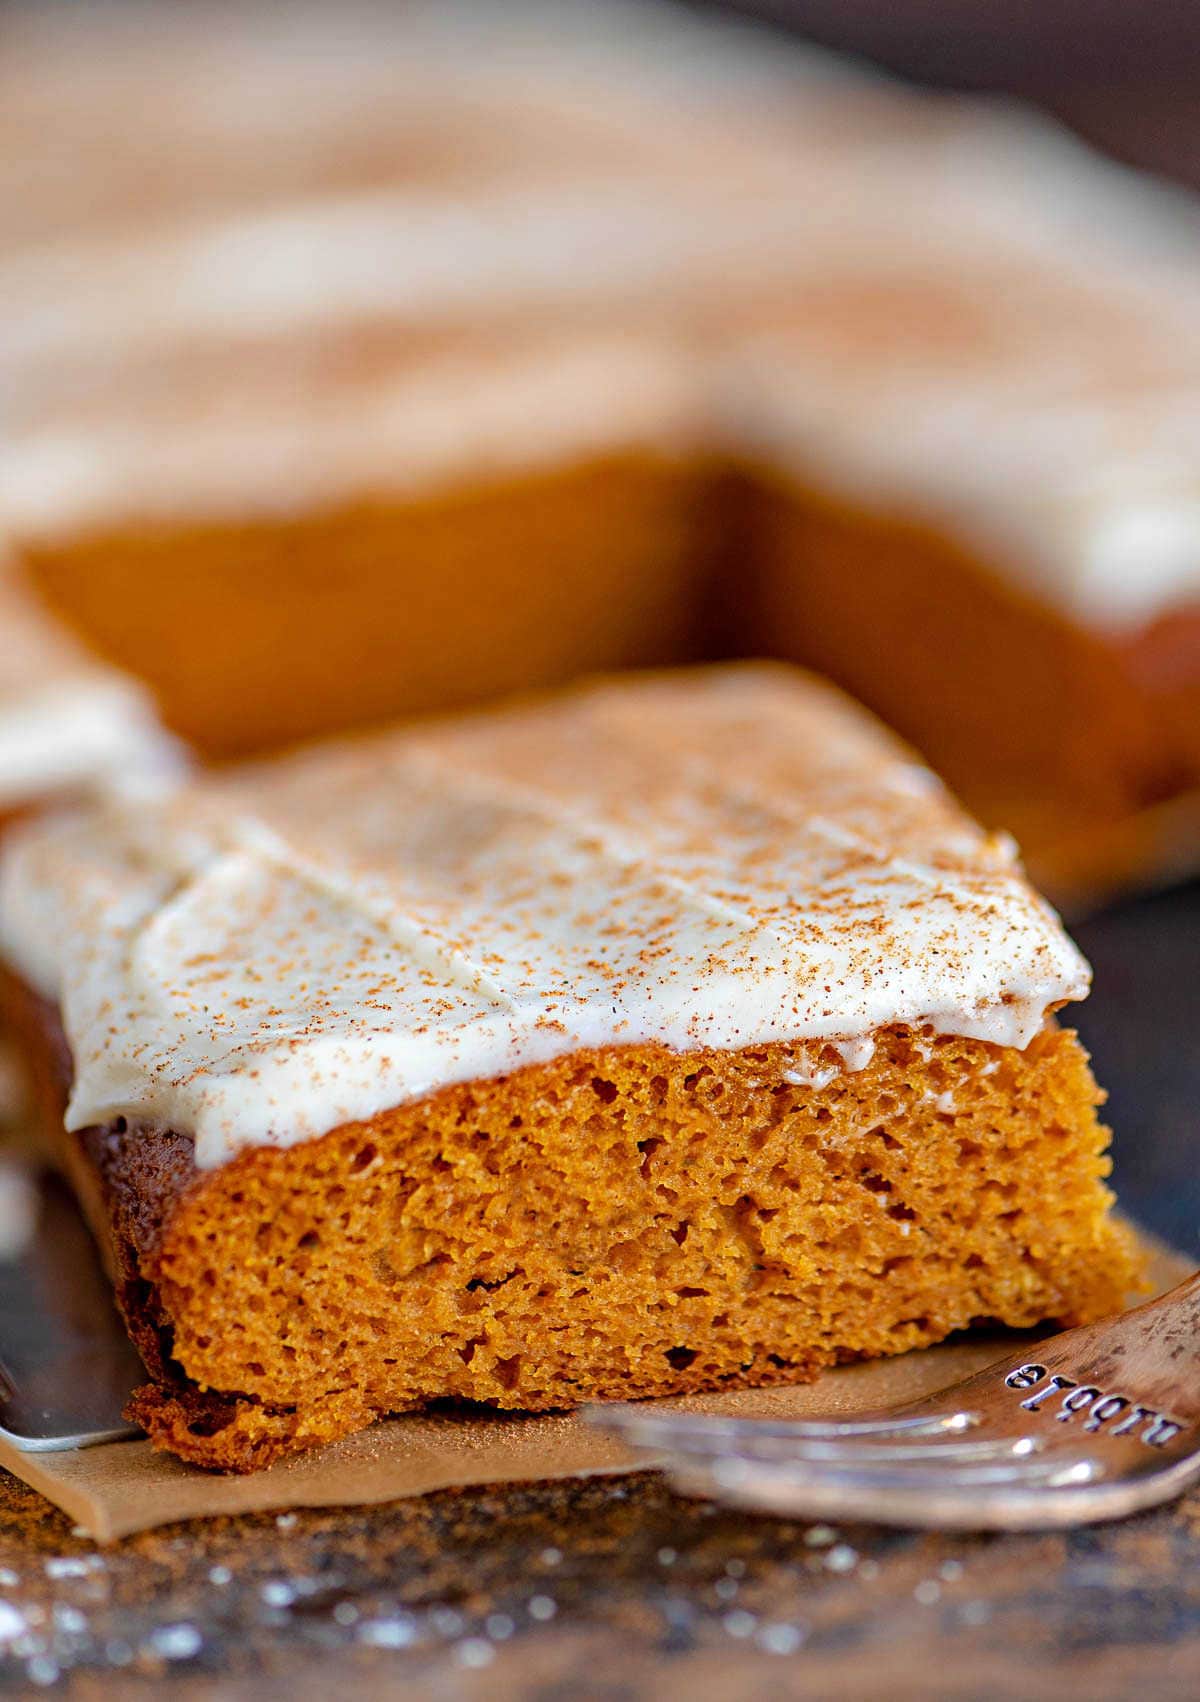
point(625, 1222)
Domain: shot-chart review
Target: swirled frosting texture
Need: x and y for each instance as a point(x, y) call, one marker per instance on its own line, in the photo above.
point(714, 858)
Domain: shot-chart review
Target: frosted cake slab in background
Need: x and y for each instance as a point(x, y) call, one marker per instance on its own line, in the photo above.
point(398, 357)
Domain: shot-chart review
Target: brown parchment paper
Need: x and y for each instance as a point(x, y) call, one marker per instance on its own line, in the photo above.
point(121, 1487)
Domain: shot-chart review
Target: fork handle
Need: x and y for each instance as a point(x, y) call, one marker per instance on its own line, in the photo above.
point(1149, 1356)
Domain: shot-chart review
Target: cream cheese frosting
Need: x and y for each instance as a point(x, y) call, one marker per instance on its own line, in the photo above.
point(68, 724)
point(718, 858)
point(1088, 500)
point(411, 430)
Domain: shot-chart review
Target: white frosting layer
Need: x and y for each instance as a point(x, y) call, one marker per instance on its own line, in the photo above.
point(454, 419)
point(66, 723)
point(722, 858)
point(147, 112)
point(1091, 506)
point(93, 732)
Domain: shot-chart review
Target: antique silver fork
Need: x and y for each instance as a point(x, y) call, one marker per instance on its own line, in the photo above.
point(1092, 1424)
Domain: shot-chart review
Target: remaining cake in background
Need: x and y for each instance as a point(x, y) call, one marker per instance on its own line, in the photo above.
point(1007, 570)
point(392, 408)
point(68, 724)
point(537, 336)
point(674, 1033)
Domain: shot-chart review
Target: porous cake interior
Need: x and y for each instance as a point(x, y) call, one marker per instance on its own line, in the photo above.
point(628, 1221)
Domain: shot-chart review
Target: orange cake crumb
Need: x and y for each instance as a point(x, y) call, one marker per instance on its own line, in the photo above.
point(626, 1222)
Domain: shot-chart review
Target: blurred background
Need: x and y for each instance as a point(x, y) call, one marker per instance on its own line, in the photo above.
point(1121, 73)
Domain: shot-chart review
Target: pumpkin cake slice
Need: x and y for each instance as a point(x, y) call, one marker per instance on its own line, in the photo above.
point(674, 1033)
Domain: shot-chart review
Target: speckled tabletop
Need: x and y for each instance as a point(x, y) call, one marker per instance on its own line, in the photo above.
point(610, 1589)
point(616, 1589)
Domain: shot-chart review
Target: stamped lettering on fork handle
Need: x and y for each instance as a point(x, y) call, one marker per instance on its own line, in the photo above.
point(1075, 1399)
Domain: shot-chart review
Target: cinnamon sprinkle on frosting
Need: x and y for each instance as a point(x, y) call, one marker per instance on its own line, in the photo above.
point(714, 858)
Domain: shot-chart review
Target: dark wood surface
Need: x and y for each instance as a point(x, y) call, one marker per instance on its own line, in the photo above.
point(1124, 73)
point(610, 1590)
point(617, 1589)
point(1142, 1026)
